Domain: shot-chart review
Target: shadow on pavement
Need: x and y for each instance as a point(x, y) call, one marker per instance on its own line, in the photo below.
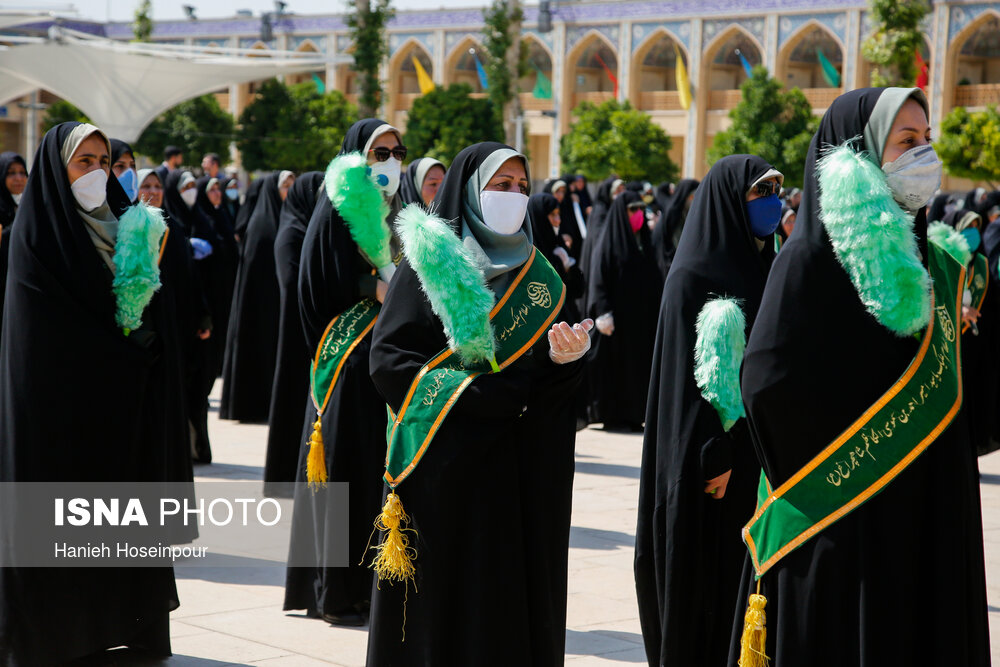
point(228, 471)
point(609, 645)
point(615, 469)
point(596, 538)
point(227, 569)
point(128, 658)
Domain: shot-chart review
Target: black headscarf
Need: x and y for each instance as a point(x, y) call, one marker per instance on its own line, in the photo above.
point(687, 544)
point(184, 217)
point(936, 211)
point(585, 199)
point(7, 206)
point(410, 191)
point(667, 233)
point(663, 197)
point(243, 215)
point(119, 148)
point(546, 238)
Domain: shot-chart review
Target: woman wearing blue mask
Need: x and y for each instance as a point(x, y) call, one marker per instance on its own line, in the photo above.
point(698, 467)
point(867, 546)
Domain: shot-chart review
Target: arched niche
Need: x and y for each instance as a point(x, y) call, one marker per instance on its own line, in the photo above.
point(653, 84)
point(723, 71)
point(404, 86)
point(539, 71)
point(587, 79)
point(308, 46)
point(800, 64)
point(974, 63)
point(460, 66)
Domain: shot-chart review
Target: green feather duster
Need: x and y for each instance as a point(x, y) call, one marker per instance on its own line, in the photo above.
point(718, 353)
point(137, 267)
point(873, 239)
point(452, 281)
point(950, 240)
point(361, 204)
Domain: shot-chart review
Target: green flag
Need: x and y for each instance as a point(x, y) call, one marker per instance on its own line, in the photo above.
point(320, 86)
point(543, 87)
point(830, 72)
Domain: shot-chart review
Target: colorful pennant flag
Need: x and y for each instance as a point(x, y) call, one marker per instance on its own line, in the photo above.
point(543, 87)
point(483, 81)
point(683, 85)
point(607, 70)
point(746, 64)
point(423, 79)
point(922, 71)
point(830, 73)
point(320, 86)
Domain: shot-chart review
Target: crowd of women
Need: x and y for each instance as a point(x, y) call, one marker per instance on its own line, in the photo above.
point(765, 341)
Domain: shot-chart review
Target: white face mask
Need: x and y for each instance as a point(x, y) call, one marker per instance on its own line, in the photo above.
point(190, 196)
point(91, 189)
point(17, 198)
point(503, 212)
point(386, 175)
point(914, 177)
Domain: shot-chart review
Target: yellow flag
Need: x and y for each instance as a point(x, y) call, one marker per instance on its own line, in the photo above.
point(683, 85)
point(425, 81)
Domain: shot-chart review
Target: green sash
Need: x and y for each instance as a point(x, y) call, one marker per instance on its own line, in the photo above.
point(977, 282)
point(519, 318)
point(880, 444)
point(342, 335)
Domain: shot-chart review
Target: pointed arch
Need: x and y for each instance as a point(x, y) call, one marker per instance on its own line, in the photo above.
point(798, 63)
point(721, 80)
point(404, 87)
point(540, 60)
point(654, 86)
point(460, 64)
point(587, 80)
point(307, 46)
point(972, 79)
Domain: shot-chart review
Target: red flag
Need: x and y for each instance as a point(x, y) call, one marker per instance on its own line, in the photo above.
point(921, 72)
point(607, 71)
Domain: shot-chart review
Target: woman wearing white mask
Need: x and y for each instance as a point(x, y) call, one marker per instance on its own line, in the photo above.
point(104, 326)
point(467, 333)
point(869, 534)
point(13, 177)
point(348, 258)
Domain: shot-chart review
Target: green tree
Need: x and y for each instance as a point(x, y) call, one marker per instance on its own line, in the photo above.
point(773, 123)
point(969, 145)
point(892, 48)
point(197, 126)
point(367, 20)
point(446, 120)
point(142, 26)
point(506, 60)
point(293, 127)
point(615, 138)
point(61, 112)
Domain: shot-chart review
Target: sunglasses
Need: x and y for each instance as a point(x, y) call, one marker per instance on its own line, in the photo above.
point(382, 153)
point(767, 188)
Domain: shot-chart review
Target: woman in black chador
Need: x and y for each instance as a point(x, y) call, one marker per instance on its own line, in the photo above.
point(623, 292)
point(252, 339)
point(490, 499)
point(667, 232)
point(82, 401)
point(337, 273)
point(545, 214)
point(699, 472)
point(291, 377)
point(900, 579)
point(13, 176)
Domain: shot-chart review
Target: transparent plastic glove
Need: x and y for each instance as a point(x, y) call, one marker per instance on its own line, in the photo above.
point(606, 324)
point(569, 343)
point(201, 248)
point(567, 261)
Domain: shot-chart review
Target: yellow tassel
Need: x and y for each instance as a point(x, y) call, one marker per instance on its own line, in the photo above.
point(394, 556)
point(752, 643)
point(316, 460)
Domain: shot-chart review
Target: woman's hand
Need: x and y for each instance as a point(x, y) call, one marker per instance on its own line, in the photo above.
point(569, 343)
point(716, 487)
point(381, 287)
point(970, 315)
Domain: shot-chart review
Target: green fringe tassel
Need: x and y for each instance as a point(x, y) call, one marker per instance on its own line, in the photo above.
point(136, 260)
point(950, 240)
point(361, 204)
point(718, 353)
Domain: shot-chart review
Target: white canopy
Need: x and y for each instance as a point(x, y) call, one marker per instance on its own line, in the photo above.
point(12, 87)
point(123, 86)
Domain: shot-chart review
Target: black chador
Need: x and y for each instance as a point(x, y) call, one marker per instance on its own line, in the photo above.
point(667, 232)
point(291, 377)
point(688, 554)
point(623, 281)
point(252, 339)
point(8, 209)
point(82, 401)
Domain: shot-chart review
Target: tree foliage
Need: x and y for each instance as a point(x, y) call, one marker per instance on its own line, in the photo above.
point(771, 122)
point(61, 112)
point(969, 145)
point(446, 120)
point(142, 25)
point(615, 138)
point(293, 127)
point(197, 126)
point(367, 20)
point(892, 48)
point(501, 33)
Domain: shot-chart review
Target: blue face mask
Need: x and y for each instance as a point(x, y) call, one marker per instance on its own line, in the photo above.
point(128, 181)
point(972, 235)
point(233, 193)
point(765, 214)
